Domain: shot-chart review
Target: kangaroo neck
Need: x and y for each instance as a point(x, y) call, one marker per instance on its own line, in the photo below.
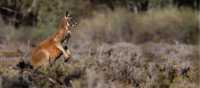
point(59, 35)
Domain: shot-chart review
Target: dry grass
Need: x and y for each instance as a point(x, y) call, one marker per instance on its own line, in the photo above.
point(164, 25)
point(144, 66)
point(154, 49)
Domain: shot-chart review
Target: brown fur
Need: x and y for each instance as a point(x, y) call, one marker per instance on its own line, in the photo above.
point(48, 50)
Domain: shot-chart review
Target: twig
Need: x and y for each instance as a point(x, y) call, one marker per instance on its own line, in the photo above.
point(33, 5)
point(50, 79)
point(9, 10)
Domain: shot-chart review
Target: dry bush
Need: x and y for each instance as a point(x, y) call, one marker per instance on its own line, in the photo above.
point(9, 33)
point(111, 50)
point(126, 65)
point(166, 62)
point(159, 25)
point(149, 65)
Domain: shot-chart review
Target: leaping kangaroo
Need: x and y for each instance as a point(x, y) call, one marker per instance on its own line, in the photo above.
point(48, 50)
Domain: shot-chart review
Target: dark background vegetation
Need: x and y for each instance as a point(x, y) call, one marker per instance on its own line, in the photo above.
point(116, 43)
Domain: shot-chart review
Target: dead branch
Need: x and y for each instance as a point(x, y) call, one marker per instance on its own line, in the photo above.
point(10, 53)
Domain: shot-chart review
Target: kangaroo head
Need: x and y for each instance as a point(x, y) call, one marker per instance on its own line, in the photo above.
point(64, 23)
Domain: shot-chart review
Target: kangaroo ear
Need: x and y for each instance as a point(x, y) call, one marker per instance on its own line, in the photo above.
point(67, 14)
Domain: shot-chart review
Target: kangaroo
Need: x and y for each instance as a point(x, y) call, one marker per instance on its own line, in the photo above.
point(50, 49)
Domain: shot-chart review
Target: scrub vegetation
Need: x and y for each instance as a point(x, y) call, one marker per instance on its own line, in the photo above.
point(115, 44)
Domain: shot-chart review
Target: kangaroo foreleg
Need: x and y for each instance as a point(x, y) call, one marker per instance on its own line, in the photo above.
point(66, 54)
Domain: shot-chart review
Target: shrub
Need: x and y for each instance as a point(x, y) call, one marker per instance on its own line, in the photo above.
point(165, 25)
